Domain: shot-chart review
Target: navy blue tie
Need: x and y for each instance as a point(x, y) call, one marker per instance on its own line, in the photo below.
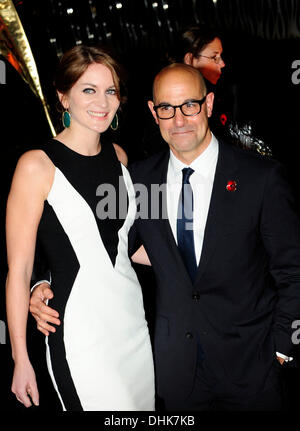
point(185, 232)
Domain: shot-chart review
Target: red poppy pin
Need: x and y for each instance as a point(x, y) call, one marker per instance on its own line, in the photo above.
point(231, 186)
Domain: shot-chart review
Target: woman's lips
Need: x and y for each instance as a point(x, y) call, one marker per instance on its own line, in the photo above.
point(97, 114)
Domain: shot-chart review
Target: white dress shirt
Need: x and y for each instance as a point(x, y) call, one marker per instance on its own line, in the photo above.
point(201, 182)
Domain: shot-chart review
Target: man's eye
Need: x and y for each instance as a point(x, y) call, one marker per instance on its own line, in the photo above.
point(190, 104)
point(89, 90)
point(165, 107)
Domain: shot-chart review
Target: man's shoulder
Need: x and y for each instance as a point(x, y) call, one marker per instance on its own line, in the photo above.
point(149, 167)
point(247, 158)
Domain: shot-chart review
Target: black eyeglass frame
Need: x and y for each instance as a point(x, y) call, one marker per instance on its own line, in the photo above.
point(215, 58)
point(201, 101)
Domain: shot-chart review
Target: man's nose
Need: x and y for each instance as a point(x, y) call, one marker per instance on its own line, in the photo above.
point(179, 117)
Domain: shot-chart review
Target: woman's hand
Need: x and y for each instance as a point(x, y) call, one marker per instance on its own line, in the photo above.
point(24, 384)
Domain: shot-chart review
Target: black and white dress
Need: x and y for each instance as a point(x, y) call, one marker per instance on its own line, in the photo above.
point(100, 357)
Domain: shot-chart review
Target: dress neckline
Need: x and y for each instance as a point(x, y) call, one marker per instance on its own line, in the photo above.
point(83, 156)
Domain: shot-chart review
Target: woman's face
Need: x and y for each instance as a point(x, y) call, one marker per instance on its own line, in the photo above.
point(92, 101)
point(209, 61)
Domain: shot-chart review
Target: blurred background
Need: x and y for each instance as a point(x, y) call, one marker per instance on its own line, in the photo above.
point(261, 42)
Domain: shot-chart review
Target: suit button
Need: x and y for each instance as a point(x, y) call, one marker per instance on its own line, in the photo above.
point(196, 296)
point(189, 335)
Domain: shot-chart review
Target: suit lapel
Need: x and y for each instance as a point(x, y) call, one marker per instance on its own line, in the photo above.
point(221, 208)
point(221, 204)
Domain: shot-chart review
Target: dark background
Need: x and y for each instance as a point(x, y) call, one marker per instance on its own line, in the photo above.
point(261, 40)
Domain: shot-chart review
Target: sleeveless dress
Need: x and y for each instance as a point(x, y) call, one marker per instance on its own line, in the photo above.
point(100, 356)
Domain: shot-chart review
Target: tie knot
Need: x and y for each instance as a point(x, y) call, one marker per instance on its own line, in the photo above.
point(186, 173)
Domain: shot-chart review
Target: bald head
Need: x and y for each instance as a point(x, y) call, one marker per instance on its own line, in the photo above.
point(178, 71)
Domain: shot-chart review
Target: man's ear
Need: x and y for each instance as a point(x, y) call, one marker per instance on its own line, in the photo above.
point(188, 58)
point(210, 103)
point(151, 104)
point(63, 100)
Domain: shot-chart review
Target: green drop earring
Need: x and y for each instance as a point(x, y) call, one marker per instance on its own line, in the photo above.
point(115, 122)
point(66, 119)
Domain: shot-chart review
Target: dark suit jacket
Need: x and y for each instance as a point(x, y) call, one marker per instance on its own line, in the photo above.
point(247, 290)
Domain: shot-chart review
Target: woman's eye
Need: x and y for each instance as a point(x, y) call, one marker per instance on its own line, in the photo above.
point(89, 90)
point(111, 91)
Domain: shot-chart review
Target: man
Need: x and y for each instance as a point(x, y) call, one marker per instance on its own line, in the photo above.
point(228, 272)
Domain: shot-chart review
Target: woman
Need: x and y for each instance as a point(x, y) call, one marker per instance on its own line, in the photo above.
point(201, 48)
point(100, 357)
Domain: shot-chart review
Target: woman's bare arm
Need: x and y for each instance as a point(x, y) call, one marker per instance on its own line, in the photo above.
point(30, 186)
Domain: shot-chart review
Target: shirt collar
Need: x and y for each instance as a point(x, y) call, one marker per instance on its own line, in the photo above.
point(203, 164)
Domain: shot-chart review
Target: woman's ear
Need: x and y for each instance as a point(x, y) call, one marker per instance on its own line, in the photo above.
point(63, 100)
point(188, 58)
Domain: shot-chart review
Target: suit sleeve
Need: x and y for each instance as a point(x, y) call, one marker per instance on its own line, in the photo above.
point(40, 272)
point(134, 241)
point(280, 229)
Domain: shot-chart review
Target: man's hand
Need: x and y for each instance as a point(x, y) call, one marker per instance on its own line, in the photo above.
point(141, 257)
point(280, 360)
point(40, 311)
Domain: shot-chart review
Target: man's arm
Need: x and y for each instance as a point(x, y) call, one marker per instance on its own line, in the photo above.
point(40, 272)
point(280, 229)
point(43, 314)
point(41, 292)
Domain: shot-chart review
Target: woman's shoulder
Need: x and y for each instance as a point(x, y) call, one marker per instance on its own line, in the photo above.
point(121, 154)
point(33, 175)
point(34, 161)
point(34, 171)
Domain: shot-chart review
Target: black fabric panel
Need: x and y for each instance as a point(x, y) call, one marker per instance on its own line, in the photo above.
point(64, 268)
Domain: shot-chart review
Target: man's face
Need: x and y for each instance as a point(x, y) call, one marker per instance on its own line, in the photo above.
point(187, 136)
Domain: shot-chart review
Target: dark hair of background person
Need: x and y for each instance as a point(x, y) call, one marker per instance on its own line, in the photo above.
point(192, 39)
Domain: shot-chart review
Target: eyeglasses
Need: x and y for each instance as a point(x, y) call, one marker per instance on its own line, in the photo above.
point(189, 109)
point(216, 58)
